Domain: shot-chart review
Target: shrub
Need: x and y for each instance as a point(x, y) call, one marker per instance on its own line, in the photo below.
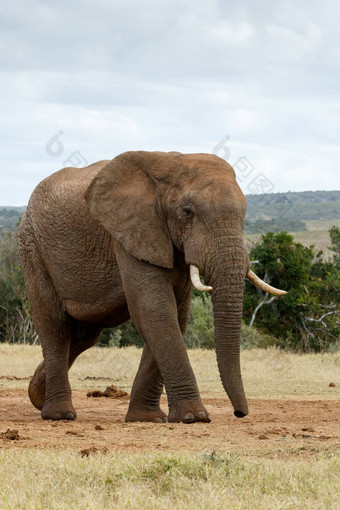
point(251, 338)
point(307, 318)
point(121, 336)
point(16, 324)
point(200, 330)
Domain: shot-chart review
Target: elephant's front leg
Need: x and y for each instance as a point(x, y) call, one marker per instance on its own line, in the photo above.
point(146, 391)
point(148, 384)
point(153, 309)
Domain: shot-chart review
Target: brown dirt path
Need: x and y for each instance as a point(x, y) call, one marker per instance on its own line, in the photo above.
point(272, 425)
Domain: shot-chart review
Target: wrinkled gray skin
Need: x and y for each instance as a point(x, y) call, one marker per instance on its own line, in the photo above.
point(114, 241)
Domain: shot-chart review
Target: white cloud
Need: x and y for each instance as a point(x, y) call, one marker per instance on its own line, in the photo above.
point(116, 76)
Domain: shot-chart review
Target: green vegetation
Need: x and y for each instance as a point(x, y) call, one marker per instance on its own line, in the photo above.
point(306, 319)
point(335, 248)
point(16, 324)
point(199, 333)
point(15, 319)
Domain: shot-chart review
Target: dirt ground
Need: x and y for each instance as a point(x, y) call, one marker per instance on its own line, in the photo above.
point(272, 425)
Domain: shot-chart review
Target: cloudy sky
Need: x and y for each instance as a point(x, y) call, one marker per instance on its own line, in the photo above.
point(258, 83)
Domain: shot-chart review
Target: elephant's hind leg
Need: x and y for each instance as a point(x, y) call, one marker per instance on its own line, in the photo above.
point(55, 342)
point(79, 344)
point(37, 387)
point(54, 328)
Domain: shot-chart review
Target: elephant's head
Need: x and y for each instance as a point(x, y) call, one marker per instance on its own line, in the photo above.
point(153, 201)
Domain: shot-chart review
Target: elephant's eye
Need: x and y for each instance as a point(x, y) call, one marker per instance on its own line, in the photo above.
point(188, 212)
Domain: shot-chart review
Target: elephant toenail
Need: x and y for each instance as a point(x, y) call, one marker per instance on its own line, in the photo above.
point(202, 415)
point(69, 416)
point(189, 418)
point(158, 420)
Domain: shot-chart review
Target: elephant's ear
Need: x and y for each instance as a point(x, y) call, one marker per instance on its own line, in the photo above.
point(123, 197)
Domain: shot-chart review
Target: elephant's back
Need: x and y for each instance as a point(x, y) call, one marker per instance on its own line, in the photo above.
point(65, 184)
point(72, 244)
point(61, 194)
point(58, 216)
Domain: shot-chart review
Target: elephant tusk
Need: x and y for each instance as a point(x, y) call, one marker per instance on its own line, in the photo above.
point(195, 280)
point(263, 285)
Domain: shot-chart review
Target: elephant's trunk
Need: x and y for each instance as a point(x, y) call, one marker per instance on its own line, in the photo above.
point(227, 278)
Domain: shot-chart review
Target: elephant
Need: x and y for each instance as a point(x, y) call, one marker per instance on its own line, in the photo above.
point(128, 239)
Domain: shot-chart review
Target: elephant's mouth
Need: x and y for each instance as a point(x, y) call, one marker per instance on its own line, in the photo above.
point(195, 280)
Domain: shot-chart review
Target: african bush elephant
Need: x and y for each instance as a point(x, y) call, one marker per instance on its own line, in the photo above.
point(116, 240)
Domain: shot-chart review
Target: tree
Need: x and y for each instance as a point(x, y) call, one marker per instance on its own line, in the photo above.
point(334, 234)
point(15, 320)
point(307, 317)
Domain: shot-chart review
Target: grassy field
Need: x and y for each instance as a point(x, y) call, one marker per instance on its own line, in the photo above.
point(317, 233)
point(65, 480)
point(277, 477)
point(267, 373)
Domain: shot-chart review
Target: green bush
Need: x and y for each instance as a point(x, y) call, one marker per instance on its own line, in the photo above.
point(251, 338)
point(307, 318)
point(121, 336)
point(16, 324)
point(200, 330)
point(199, 333)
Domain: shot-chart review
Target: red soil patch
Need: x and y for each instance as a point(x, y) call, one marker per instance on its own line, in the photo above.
point(276, 426)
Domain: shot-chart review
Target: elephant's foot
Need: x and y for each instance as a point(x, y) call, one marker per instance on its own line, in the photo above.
point(155, 415)
point(36, 388)
point(188, 411)
point(58, 411)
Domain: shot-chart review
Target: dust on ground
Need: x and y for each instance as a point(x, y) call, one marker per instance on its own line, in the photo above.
point(272, 426)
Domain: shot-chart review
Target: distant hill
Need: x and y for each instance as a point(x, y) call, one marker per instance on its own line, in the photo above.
point(267, 212)
point(21, 209)
point(306, 205)
point(9, 217)
point(289, 211)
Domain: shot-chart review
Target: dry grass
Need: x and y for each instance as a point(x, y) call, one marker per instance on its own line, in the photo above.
point(322, 224)
point(317, 234)
point(267, 373)
point(305, 477)
point(64, 480)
